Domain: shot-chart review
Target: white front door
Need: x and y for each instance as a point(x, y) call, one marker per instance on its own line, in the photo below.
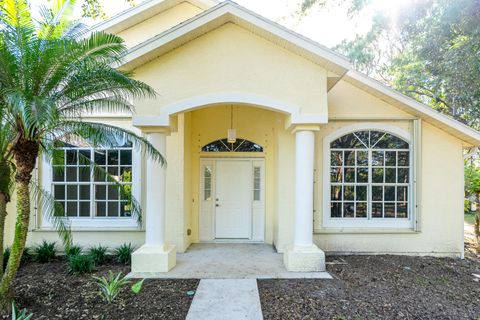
point(233, 199)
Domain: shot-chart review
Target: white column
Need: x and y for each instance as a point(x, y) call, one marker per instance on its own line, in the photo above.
point(303, 255)
point(155, 255)
point(304, 157)
point(155, 194)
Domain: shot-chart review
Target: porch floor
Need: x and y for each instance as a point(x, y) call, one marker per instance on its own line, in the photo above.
point(231, 261)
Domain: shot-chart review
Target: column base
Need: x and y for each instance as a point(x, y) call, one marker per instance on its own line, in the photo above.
point(148, 259)
point(304, 259)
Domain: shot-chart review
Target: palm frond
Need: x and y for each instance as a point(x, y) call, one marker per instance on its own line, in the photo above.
point(53, 211)
point(105, 135)
point(51, 155)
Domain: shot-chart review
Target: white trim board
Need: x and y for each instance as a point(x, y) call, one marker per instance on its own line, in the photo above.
point(141, 12)
point(231, 12)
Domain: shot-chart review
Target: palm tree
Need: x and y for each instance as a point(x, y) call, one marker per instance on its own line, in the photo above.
point(6, 181)
point(47, 83)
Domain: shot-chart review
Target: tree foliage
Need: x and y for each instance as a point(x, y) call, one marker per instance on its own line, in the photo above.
point(95, 10)
point(49, 79)
point(430, 52)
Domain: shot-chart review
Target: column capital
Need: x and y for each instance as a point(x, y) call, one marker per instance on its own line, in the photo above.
point(155, 129)
point(304, 127)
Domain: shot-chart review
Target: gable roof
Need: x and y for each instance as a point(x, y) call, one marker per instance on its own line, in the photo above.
point(144, 11)
point(216, 15)
point(229, 11)
point(412, 106)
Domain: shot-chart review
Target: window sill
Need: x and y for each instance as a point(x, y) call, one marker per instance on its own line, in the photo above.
point(93, 229)
point(366, 230)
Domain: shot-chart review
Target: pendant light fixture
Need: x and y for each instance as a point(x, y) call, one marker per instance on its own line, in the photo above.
point(232, 133)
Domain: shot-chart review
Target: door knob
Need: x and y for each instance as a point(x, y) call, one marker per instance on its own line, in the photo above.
point(217, 205)
point(216, 199)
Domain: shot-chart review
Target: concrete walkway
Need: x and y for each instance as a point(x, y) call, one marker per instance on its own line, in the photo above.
point(231, 261)
point(230, 299)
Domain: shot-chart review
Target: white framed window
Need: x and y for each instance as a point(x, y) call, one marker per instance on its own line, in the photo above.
point(368, 178)
point(90, 198)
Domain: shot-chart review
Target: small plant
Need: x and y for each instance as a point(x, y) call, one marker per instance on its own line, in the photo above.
point(20, 315)
point(80, 263)
point(123, 254)
point(110, 287)
point(73, 251)
point(98, 254)
point(27, 254)
point(6, 256)
point(45, 252)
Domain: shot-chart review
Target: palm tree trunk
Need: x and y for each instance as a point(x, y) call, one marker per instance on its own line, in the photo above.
point(3, 215)
point(5, 182)
point(477, 224)
point(25, 154)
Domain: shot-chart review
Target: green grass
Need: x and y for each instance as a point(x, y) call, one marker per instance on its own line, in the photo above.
point(470, 218)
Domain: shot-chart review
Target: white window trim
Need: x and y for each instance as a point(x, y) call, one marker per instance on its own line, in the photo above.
point(95, 223)
point(355, 223)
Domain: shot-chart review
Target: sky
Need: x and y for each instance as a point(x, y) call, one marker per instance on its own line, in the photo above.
point(328, 26)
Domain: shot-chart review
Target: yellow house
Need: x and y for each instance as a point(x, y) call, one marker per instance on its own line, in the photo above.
point(269, 138)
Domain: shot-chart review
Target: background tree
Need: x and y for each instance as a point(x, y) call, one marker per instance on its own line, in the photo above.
point(430, 52)
point(48, 80)
point(94, 9)
point(472, 188)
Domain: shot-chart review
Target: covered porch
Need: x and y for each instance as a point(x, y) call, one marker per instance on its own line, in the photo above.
point(231, 261)
point(222, 197)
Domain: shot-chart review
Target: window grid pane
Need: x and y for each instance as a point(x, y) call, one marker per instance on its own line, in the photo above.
point(369, 176)
point(256, 183)
point(207, 183)
point(79, 189)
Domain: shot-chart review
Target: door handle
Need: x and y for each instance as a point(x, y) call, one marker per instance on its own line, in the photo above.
point(217, 205)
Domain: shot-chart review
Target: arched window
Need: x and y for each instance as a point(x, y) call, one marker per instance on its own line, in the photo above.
point(241, 145)
point(369, 176)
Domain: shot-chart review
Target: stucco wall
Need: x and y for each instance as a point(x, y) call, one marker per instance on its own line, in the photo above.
point(258, 125)
point(159, 23)
point(441, 179)
point(231, 60)
point(88, 236)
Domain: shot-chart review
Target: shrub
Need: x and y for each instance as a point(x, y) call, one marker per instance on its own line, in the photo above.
point(123, 254)
point(73, 251)
point(20, 315)
point(110, 287)
point(98, 254)
point(80, 263)
point(27, 254)
point(45, 252)
point(6, 255)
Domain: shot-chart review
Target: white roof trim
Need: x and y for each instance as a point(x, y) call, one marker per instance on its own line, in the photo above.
point(150, 8)
point(380, 90)
point(229, 11)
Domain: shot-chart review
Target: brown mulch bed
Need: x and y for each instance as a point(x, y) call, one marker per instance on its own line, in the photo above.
point(379, 287)
point(49, 292)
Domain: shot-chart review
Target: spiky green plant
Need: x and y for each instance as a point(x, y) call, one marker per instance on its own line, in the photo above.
point(110, 287)
point(73, 250)
point(80, 263)
point(45, 252)
point(20, 314)
point(123, 254)
point(98, 254)
point(48, 80)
